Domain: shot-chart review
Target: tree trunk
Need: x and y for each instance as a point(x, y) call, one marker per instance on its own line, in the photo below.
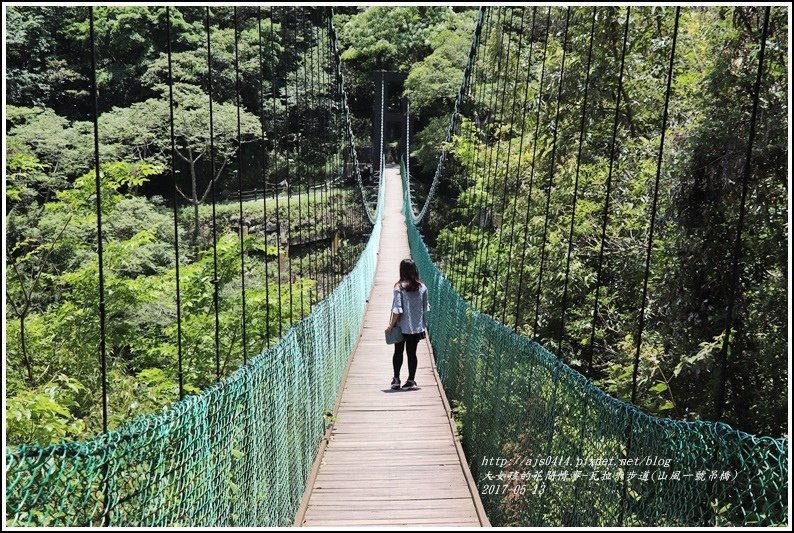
point(25, 356)
point(195, 202)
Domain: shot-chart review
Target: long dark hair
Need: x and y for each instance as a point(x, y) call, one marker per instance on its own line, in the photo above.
point(409, 275)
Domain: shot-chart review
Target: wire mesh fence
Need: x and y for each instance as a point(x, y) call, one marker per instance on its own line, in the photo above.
point(237, 454)
point(547, 448)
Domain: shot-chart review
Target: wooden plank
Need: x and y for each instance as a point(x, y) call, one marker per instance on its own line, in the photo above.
point(391, 457)
point(391, 503)
point(388, 514)
point(398, 479)
point(321, 497)
point(396, 521)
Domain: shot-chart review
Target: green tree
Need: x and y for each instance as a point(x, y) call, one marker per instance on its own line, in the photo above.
point(141, 132)
point(65, 147)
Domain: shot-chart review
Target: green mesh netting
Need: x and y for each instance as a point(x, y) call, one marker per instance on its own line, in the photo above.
point(237, 454)
point(518, 403)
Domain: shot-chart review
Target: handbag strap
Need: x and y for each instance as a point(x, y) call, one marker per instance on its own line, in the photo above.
point(402, 298)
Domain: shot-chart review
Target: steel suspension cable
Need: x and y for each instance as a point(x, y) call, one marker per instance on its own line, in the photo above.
point(451, 127)
point(407, 137)
point(350, 146)
point(476, 169)
point(382, 166)
point(106, 513)
point(180, 371)
point(518, 165)
point(328, 157)
point(520, 285)
point(100, 249)
point(347, 117)
point(605, 218)
point(719, 408)
point(555, 133)
point(276, 146)
point(314, 98)
point(454, 164)
point(486, 170)
point(582, 438)
point(240, 180)
point(468, 284)
point(331, 165)
point(582, 123)
point(654, 205)
point(213, 178)
point(630, 425)
point(287, 160)
point(322, 128)
point(514, 97)
point(300, 165)
point(337, 204)
point(262, 153)
point(454, 272)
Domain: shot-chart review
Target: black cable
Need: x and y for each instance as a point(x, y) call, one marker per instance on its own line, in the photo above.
point(215, 281)
point(100, 253)
point(323, 51)
point(240, 178)
point(287, 166)
point(507, 160)
point(719, 407)
point(485, 180)
point(344, 219)
point(330, 154)
point(654, 205)
point(300, 155)
point(467, 97)
point(276, 146)
point(453, 119)
point(582, 123)
point(338, 198)
point(314, 135)
point(408, 142)
point(453, 272)
point(106, 516)
point(361, 221)
point(347, 224)
point(538, 292)
point(607, 193)
point(469, 279)
point(264, 173)
point(180, 372)
point(518, 166)
point(520, 285)
point(333, 127)
point(474, 138)
point(492, 172)
point(630, 425)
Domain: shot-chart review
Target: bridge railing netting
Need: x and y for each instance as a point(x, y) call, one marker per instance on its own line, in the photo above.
point(547, 448)
point(238, 454)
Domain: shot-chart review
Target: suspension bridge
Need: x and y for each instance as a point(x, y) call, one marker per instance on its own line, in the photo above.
point(307, 432)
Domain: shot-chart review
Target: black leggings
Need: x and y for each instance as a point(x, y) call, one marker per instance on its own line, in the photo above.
point(411, 340)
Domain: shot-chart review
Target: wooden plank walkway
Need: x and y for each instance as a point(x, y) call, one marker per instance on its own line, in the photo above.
point(392, 457)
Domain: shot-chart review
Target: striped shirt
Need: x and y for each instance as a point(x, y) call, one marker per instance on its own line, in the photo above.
point(411, 305)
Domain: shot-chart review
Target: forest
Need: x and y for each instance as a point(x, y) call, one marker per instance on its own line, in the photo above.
point(518, 223)
point(493, 230)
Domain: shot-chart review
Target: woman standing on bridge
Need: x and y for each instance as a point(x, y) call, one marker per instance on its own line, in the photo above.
point(408, 310)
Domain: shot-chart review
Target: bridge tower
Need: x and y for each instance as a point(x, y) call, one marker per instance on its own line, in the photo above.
point(394, 116)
